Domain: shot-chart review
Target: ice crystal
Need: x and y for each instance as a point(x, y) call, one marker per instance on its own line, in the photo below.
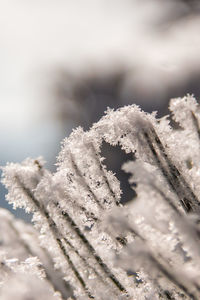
point(88, 245)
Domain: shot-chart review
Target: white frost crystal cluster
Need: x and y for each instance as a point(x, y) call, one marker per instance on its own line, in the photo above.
point(86, 244)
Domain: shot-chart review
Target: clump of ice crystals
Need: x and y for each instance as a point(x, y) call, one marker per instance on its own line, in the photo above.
point(101, 249)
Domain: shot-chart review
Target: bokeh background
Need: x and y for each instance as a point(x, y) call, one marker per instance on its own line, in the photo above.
point(63, 62)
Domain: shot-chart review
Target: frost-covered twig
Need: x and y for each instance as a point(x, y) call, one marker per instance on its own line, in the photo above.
point(90, 236)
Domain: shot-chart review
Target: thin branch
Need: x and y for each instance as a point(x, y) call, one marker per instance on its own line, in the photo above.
point(84, 183)
point(54, 230)
point(97, 158)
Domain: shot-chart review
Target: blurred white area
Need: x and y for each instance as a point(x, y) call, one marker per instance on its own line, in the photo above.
point(152, 39)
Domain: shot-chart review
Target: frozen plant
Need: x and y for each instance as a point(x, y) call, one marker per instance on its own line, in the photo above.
point(145, 249)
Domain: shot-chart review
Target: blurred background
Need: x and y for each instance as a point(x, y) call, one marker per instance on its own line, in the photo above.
point(63, 62)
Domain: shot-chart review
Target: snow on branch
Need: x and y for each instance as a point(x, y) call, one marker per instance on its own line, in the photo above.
point(88, 245)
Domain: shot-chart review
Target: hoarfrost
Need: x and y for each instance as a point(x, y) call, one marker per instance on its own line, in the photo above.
point(100, 248)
